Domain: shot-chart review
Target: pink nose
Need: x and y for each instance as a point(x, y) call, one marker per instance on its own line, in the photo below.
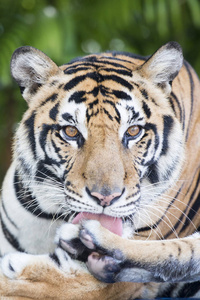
point(105, 200)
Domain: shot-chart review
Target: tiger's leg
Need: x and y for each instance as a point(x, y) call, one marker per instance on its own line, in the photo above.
point(59, 277)
point(54, 276)
point(40, 279)
point(115, 259)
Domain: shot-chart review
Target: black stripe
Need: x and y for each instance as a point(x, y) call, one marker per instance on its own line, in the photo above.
point(43, 135)
point(153, 127)
point(167, 124)
point(187, 66)
point(25, 198)
point(6, 213)
point(119, 80)
point(147, 150)
point(55, 258)
point(95, 90)
point(10, 238)
point(98, 78)
point(144, 94)
point(188, 205)
point(73, 70)
point(101, 61)
point(43, 173)
point(57, 151)
point(68, 117)
point(181, 110)
point(113, 59)
point(91, 114)
point(192, 213)
point(92, 104)
point(118, 71)
point(108, 114)
point(195, 207)
point(189, 289)
point(68, 169)
point(121, 95)
point(78, 97)
point(88, 66)
point(29, 123)
point(43, 142)
point(168, 292)
point(146, 109)
point(54, 112)
point(73, 82)
point(118, 117)
point(52, 98)
point(153, 173)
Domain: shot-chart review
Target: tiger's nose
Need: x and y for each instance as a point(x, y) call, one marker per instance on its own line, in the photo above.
point(105, 199)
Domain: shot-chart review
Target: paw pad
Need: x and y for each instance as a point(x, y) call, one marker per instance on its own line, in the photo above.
point(103, 267)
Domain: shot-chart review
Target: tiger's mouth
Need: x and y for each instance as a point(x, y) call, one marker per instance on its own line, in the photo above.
point(113, 224)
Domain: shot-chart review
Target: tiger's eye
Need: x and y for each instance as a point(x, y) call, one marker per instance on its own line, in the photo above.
point(133, 130)
point(71, 131)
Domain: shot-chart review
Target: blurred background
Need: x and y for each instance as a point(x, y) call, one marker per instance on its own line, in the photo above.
point(64, 29)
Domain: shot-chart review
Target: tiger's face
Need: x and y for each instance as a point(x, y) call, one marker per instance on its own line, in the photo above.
point(101, 135)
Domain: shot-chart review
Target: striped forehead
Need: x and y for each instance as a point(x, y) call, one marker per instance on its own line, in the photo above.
point(124, 113)
point(99, 86)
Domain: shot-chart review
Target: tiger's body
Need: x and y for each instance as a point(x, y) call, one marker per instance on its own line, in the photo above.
point(112, 138)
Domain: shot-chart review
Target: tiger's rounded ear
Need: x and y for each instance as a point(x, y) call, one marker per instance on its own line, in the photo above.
point(164, 65)
point(31, 68)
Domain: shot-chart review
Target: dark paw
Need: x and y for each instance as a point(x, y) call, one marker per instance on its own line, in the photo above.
point(103, 267)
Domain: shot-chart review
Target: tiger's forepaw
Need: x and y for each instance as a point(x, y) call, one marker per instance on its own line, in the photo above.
point(98, 238)
point(103, 263)
point(13, 264)
point(107, 261)
point(67, 238)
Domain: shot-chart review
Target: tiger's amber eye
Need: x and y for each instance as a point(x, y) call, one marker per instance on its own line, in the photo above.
point(133, 130)
point(71, 131)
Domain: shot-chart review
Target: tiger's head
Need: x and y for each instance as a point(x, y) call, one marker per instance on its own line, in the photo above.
point(101, 135)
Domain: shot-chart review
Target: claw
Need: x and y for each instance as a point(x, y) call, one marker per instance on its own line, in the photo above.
point(86, 239)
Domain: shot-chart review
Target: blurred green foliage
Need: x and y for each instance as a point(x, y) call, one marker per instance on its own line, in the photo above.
point(64, 29)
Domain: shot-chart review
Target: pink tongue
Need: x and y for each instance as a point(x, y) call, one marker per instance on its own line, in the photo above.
point(111, 223)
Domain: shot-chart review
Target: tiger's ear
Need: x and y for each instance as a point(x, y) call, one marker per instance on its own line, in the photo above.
point(31, 68)
point(164, 65)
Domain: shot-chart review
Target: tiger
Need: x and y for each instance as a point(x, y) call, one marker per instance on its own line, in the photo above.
point(101, 200)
